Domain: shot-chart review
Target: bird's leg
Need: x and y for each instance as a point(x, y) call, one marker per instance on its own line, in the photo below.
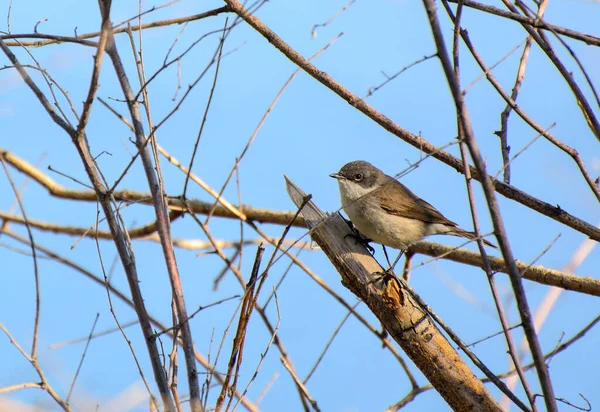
point(359, 237)
point(388, 274)
point(391, 266)
point(387, 258)
point(396, 261)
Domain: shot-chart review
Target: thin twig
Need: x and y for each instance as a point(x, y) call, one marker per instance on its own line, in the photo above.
point(36, 273)
point(266, 115)
point(44, 384)
point(313, 32)
point(210, 96)
point(299, 383)
point(111, 307)
point(328, 345)
point(263, 355)
point(388, 79)
point(582, 101)
point(540, 24)
point(87, 344)
point(126, 300)
point(52, 39)
point(503, 132)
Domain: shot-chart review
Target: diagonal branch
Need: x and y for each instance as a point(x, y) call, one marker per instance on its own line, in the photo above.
point(537, 23)
point(162, 221)
point(504, 189)
point(494, 209)
point(405, 319)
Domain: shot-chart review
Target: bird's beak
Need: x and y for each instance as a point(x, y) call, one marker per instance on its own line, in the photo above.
point(337, 176)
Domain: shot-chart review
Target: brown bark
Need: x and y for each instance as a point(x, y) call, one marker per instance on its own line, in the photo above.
point(403, 318)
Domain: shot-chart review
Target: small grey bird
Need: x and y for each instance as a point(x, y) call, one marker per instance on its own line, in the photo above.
point(385, 211)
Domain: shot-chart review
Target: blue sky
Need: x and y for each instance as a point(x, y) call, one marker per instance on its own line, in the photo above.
point(310, 134)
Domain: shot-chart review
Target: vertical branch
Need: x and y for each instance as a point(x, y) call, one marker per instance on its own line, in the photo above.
point(174, 359)
point(512, 348)
point(503, 132)
point(87, 105)
point(235, 360)
point(87, 345)
point(210, 97)
point(499, 230)
point(162, 221)
point(36, 273)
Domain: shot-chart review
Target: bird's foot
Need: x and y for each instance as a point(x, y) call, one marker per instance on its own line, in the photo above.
point(359, 237)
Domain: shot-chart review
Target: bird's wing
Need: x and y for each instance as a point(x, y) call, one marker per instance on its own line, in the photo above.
point(413, 206)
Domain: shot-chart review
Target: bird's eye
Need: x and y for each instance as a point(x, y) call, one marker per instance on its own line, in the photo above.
point(358, 177)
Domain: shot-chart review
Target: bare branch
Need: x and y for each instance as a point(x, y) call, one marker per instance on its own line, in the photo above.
point(404, 318)
point(508, 191)
point(79, 39)
point(537, 23)
point(499, 230)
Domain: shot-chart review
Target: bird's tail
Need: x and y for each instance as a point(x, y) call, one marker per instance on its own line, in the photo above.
point(470, 235)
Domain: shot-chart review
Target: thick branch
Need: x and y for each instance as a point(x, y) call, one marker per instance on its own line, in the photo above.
point(405, 320)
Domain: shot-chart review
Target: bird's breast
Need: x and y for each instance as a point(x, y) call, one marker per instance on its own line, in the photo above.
point(376, 224)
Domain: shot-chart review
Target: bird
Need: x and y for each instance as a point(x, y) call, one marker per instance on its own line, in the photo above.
point(387, 212)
